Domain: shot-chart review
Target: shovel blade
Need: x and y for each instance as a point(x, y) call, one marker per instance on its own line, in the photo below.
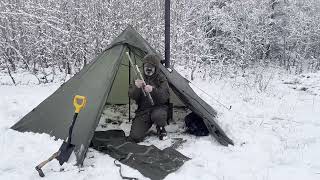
point(65, 152)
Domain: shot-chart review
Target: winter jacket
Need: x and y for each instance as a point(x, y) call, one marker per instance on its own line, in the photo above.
point(160, 93)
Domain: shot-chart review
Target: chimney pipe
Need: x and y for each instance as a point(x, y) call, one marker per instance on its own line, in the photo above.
point(167, 33)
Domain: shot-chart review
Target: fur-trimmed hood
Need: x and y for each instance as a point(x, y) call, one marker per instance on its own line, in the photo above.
point(152, 59)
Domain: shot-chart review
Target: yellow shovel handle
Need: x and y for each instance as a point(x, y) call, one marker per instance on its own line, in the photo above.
point(79, 106)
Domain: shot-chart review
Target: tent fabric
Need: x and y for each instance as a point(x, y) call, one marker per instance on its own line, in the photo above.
point(181, 88)
point(105, 81)
point(150, 161)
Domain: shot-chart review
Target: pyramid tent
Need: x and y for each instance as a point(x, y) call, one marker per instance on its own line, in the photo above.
point(105, 81)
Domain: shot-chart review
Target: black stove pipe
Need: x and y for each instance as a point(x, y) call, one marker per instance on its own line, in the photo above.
point(167, 33)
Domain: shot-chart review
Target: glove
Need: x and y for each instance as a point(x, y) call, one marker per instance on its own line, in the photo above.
point(138, 83)
point(148, 88)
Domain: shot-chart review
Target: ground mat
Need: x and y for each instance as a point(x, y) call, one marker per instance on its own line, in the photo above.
point(148, 160)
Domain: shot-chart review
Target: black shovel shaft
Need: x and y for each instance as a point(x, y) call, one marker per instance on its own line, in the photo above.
point(66, 147)
point(71, 127)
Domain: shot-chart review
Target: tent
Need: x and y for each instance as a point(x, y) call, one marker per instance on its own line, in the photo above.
point(105, 81)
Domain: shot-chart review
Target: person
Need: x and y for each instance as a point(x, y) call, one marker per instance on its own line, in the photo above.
point(147, 114)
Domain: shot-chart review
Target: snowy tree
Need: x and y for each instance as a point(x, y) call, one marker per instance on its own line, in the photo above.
point(211, 36)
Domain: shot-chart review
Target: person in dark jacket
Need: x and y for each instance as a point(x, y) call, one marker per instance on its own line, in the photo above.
point(148, 114)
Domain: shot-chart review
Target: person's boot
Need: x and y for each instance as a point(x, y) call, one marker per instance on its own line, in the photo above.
point(162, 133)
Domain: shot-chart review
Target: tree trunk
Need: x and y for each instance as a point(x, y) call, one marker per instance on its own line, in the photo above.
point(9, 72)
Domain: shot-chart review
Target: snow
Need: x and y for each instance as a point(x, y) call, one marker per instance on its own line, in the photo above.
point(276, 131)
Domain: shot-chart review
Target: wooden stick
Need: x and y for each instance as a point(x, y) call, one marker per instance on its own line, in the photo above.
point(38, 168)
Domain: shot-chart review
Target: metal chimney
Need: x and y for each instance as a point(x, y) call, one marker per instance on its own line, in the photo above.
point(167, 33)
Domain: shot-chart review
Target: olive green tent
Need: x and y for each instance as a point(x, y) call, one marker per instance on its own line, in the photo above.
point(105, 81)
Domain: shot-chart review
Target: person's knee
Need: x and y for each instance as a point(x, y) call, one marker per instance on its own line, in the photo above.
point(135, 139)
point(159, 117)
point(136, 136)
point(139, 129)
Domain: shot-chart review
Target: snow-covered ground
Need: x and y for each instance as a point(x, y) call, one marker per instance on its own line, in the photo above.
point(273, 121)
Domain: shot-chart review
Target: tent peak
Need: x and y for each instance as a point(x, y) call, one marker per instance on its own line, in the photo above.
point(131, 37)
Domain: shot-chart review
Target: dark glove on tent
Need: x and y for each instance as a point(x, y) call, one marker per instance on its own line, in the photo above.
point(148, 160)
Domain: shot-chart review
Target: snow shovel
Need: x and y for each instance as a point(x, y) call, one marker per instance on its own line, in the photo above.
point(65, 150)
